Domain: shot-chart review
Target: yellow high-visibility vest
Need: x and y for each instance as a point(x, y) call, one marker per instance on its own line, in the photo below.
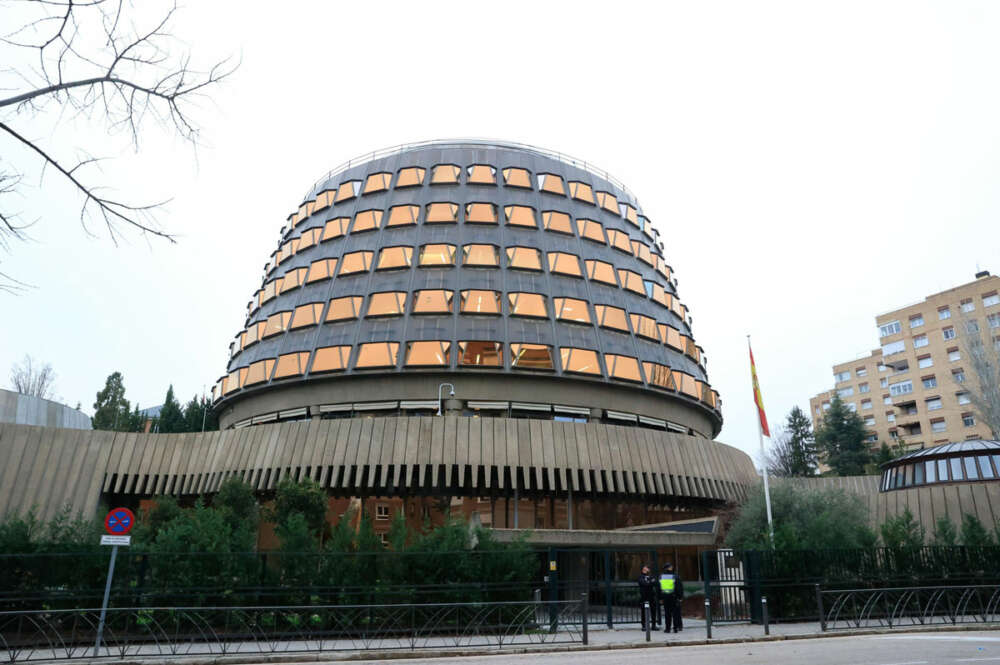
point(667, 583)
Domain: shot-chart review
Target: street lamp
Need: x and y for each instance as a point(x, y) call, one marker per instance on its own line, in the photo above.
point(451, 393)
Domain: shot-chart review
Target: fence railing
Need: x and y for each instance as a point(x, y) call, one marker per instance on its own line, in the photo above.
point(892, 607)
point(215, 631)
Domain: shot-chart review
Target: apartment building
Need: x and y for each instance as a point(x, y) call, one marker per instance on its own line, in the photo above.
point(910, 390)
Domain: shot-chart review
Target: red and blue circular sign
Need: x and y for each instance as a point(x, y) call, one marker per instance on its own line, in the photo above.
point(119, 521)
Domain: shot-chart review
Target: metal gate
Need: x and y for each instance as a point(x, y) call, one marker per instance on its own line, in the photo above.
point(732, 582)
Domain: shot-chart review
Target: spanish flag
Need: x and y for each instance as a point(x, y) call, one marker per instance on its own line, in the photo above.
point(758, 400)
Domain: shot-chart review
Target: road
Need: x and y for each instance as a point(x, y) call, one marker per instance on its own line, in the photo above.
point(965, 648)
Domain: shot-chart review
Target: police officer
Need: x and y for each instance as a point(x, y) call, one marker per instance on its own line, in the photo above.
point(672, 593)
point(649, 592)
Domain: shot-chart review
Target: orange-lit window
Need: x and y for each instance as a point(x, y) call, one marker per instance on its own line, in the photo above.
point(277, 323)
point(590, 230)
point(599, 271)
point(232, 381)
point(404, 215)
point(527, 304)
point(553, 220)
point(482, 174)
point(625, 368)
point(579, 361)
point(306, 209)
point(287, 250)
point(433, 301)
point(441, 213)
point(662, 267)
point(259, 371)
point(322, 269)
point(377, 354)
point(348, 190)
point(642, 252)
point(645, 326)
point(254, 333)
point(437, 255)
point(524, 258)
point(390, 258)
point(657, 293)
point(390, 303)
point(631, 281)
point(564, 264)
point(687, 384)
point(520, 216)
point(427, 354)
point(619, 241)
point(324, 199)
point(355, 262)
point(307, 315)
point(330, 359)
point(531, 356)
point(343, 309)
point(481, 255)
point(410, 177)
point(444, 174)
point(377, 182)
point(611, 317)
point(572, 309)
point(366, 220)
point(690, 348)
point(292, 364)
point(481, 213)
point(630, 214)
point(516, 177)
point(268, 292)
point(659, 375)
point(673, 339)
point(662, 330)
point(478, 301)
point(551, 183)
point(335, 228)
point(292, 279)
point(581, 191)
point(309, 238)
point(608, 202)
point(480, 354)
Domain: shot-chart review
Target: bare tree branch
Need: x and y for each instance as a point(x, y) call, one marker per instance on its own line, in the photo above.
point(28, 378)
point(979, 342)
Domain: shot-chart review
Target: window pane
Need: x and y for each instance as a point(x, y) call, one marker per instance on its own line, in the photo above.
point(377, 182)
point(444, 174)
point(559, 222)
point(548, 182)
point(442, 212)
point(394, 257)
point(481, 213)
point(524, 258)
point(619, 241)
point(343, 309)
point(608, 201)
point(330, 359)
point(521, 216)
point(366, 220)
point(277, 323)
point(599, 271)
point(335, 228)
point(476, 301)
point(645, 326)
point(930, 469)
point(427, 354)
point(970, 468)
point(659, 375)
point(404, 215)
point(531, 356)
point(377, 354)
point(408, 177)
point(564, 264)
point(355, 262)
point(307, 315)
point(984, 466)
point(481, 255)
point(611, 317)
point(942, 470)
point(527, 304)
point(292, 364)
point(580, 361)
point(572, 309)
point(433, 301)
point(482, 174)
point(437, 255)
point(292, 279)
point(348, 190)
point(581, 191)
point(480, 354)
point(956, 468)
point(631, 281)
point(622, 367)
point(688, 384)
point(590, 230)
point(391, 303)
point(258, 372)
point(516, 177)
point(310, 238)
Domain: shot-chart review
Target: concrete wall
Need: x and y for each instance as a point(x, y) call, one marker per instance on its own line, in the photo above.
point(26, 410)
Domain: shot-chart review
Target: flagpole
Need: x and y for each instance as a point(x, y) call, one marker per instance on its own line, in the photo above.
point(763, 454)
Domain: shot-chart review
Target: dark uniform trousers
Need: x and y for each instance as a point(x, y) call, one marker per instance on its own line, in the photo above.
point(671, 612)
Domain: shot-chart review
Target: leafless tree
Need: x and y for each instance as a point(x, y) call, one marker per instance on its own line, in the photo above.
point(90, 60)
point(30, 378)
point(979, 344)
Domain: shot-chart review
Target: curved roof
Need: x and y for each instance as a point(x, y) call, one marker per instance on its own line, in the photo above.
point(946, 449)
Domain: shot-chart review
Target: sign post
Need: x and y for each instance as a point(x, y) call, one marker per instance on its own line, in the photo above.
point(118, 523)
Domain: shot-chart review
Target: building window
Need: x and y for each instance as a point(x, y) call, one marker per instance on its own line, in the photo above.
point(481, 213)
point(625, 368)
point(944, 313)
point(579, 361)
point(481, 174)
point(258, 372)
point(564, 264)
point(938, 426)
point(916, 320)
point(890, 417)
point(954, 355)
point(433, 301)
point(611, 317)
point(524, 258)
point(893, 348)
point(887, 400)
point(410, 177)
point(330, 359)
point(381, 512)
point(292, 364)
point(632, 281)
point(581, 191)
point(993, 320)
point(390, 303)
point(348, 190)
point(963, 398)
point(608, 201)
point(276, 324)
point(551, 183)
point(642, 252)
point(377, 182)
point(484, 256)
point(377, 354)
point(531, 356)
point(968, 420)
point(870, 421)
point(445, 174)
point(920, 341)
point(839, 377)
point(991, 299)
point(480, 354)
point(590, 230)
point(343, 309)
point(851, 406)
point(441, 212)
point(958, 375)
point(477, 301)
point(322, 269)
point(527, 304)
point(645, 326)
point(292, 279)
point(934, 404)
point(517, 177)
point(972, 326)
point(925, 362)
point(391, 258)
point(967, 305)
point(861, 372)
point(572, 309)
point(948, 333)
point(660, 376)
point(355, 262)
point(335, 228)
point(900, 388)
point(366, 220)
point(930, 382)
point(520, 216)
point(883, 382)
point(619, 241)
point(427, 354)
point(599, 271)
point(846, 392)
point(863, 388)
point(307, 315)
point(890, 328)
point(437, 255)
point(559, 222)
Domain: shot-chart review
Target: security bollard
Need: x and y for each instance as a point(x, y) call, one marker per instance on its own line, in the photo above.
point(646, 618)
point(585, 604)
point(819, 608)
point(763, 610)
point(708, 617)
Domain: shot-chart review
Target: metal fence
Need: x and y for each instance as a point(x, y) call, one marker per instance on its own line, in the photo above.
point(215, 631)
point(844, 609)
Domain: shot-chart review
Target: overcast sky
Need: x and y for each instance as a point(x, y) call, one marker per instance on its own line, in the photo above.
point(808, 165)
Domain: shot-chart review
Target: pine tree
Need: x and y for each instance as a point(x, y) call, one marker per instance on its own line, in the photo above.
point(198, 415)
point(111, 410)
point(171, 416)
point(841, 438)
